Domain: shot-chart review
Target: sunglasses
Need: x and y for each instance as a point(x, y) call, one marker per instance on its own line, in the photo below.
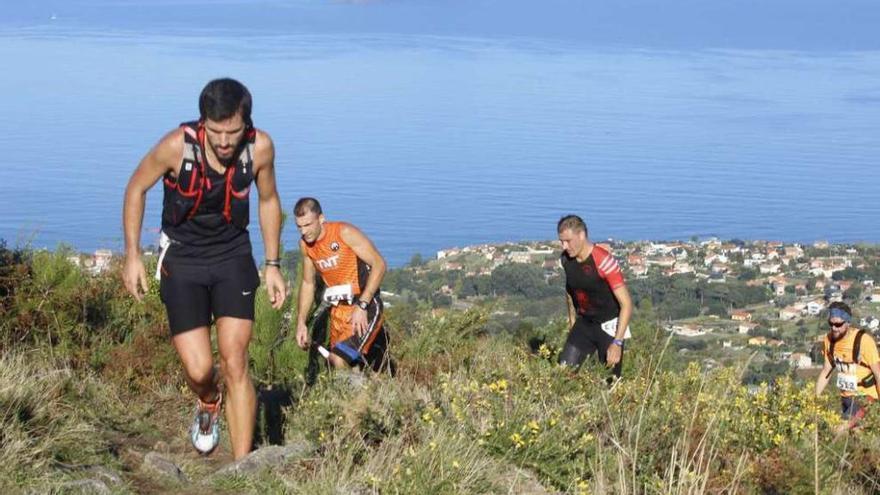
point(837, 324)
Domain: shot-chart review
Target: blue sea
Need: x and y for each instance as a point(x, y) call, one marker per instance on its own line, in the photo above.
point(432, 125)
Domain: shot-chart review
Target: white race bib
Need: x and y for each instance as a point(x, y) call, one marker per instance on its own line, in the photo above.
point(337, 294)
point(847, 383)
point(164, 244)
point(610, 327)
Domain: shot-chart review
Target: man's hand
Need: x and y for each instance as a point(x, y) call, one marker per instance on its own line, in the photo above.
point(302, 335)
point(134, 277)
point(275, 287)
point(612, 356)
point(358, 321)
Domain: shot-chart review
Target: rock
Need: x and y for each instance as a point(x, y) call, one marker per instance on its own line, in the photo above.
point(271, 456)
point(354, 379)
point(525, 482)
point(106, 475)
point(132, 457)
point(357, 490)
point(162, 446)
point(155, 463)
point(87, 486)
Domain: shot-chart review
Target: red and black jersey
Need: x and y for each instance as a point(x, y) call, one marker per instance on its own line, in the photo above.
point(590, 284)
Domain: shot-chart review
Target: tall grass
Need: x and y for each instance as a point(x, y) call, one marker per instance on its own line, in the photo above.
point(52, 421)
point(491, 405)
point(468, 412)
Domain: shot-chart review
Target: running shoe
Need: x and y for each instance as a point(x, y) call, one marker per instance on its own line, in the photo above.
point(205, 430)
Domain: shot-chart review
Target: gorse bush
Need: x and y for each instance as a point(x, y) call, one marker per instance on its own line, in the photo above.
point(58, 307)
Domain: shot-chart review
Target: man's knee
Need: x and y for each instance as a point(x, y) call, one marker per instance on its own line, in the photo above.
point(235, 366)
point(201, 373)
point(338, 362)
point(571, 356)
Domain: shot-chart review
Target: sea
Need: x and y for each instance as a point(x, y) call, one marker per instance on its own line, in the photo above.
point(432, 125)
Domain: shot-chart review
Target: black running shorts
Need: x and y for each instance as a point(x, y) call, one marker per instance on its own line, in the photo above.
point(196, 294)
point(585, 339)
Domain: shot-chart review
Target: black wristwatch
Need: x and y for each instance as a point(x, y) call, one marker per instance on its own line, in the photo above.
point(363, 304)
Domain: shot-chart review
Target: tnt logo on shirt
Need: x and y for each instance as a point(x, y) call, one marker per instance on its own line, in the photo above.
point(328, 263)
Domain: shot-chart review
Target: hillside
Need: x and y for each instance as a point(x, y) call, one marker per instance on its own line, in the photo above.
point(92, 400)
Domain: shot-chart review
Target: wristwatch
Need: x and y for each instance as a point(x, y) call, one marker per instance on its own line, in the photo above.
point(363, 304)
point(618, 342)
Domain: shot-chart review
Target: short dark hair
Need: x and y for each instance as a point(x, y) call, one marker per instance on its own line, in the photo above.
point(222, 98)
point(305, 205)
point(573, 222)
point(841, 306)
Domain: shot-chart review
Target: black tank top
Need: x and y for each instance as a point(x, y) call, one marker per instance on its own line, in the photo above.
point(207, 237)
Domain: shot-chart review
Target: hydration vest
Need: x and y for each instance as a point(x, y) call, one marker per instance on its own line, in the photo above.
point(183, 194)
point(868, 381)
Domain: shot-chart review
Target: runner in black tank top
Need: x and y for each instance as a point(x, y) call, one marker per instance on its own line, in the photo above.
point(598, 300)
point(207, 272)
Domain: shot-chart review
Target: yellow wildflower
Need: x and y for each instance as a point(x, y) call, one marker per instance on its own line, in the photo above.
point(544, 351)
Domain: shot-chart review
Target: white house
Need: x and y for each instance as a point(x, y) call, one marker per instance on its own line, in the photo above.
point(799, 360)
point(814, 308)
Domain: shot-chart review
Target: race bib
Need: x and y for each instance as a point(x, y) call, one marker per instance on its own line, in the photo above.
point(164, 244)
point(847, 383)
point(337, 294)
point(610, 327)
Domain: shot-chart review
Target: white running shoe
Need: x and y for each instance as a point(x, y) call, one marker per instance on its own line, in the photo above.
point(205, 430)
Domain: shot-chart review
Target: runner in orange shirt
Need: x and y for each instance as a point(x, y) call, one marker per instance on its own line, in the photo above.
point(853, 353)
point(352, 270)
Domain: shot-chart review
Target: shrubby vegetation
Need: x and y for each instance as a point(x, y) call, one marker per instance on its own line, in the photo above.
point(682, 296)
point(512, 279)
point(87, 375)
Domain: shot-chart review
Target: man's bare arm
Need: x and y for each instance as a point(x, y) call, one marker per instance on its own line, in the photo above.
point(270, 216)
point(270, 202)
point(306, 298)
point(365, 250)
point(822, 380)
point(622, 295)
point(571, 311)
point(306, 288)
point(163, 158)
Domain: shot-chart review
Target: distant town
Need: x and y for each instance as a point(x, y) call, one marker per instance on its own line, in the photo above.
point(788, 286)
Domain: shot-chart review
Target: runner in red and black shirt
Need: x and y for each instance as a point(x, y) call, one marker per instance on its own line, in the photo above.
point(599, 306)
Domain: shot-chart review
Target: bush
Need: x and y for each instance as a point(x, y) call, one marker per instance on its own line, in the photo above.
point(73, 315)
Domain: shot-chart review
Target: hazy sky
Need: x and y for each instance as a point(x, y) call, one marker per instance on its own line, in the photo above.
point(807, 25)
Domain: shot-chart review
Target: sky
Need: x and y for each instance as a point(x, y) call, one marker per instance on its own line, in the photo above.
point(802, 25)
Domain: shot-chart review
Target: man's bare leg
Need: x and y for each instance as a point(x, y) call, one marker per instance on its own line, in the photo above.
point(337, 362)
point(194, 348)
point(233, 337)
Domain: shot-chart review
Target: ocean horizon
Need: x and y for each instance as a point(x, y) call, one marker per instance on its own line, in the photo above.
point(434, 140)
